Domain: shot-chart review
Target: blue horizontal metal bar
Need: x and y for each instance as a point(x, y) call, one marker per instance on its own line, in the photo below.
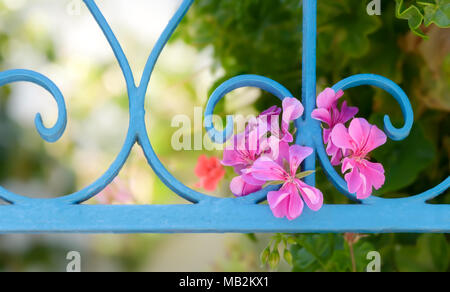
point(223, 217)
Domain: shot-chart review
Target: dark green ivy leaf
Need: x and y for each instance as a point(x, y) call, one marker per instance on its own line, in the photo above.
point(313, 251)
point(413, 15)
point(437, 13)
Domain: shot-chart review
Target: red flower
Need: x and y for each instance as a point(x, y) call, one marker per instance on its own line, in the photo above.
point(210, 172)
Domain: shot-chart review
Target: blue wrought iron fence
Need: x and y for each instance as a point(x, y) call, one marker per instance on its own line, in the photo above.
point(211, 214)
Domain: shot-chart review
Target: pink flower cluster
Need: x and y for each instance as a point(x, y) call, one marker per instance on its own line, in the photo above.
point(262, 154)
point(350, 147)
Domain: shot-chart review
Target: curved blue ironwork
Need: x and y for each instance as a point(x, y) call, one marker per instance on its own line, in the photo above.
point(228, 86)
point(393, 89)
point(48, 134)
point(207, 213)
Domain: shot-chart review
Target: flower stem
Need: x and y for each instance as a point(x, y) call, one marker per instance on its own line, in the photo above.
point(352, 256)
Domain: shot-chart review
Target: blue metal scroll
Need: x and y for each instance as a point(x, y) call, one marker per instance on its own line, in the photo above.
point(206, 213)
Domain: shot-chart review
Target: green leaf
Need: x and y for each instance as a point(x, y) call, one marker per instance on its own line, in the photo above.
point(273, 183)
point(413, 15)
point(303, 260)
point(340, 262)
point(424, 12)
point(305, 174)
point(313, 252)
point(438, 14)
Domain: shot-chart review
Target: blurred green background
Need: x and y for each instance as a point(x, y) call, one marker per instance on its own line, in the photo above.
point(217, 40)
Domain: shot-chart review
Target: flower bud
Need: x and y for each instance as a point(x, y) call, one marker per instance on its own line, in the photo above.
point(274, 259)
point(288, 256)
point(265, 256)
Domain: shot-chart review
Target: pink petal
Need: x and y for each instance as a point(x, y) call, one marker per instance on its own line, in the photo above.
point(274, 146)
point(312, 196)
point(268, 170)
point(295, 207)
point(278, 202)
point(322, 115)
point(354, 180)
point(240, 188)
point(326, 136)
point(273, 126)
point(341, 138)
point(271, 117)
point(274, 110)
point(288, 138)
point(377, 166)
point(347, 113)
point(253, 142)
point(365, 189)
point(328, 98)
point(297, 154)
point(359, 130)
point(374, 173)
point(375, 139)
point(248, 177)
point(240, 142)
point(292, 110)
point(237, 186)
point(280, 151)
point(232, 157)
point(251, 125)
point(347, 164)
point(239, 168)
point(335, 153)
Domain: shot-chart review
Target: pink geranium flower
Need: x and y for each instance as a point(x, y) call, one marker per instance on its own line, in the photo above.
point(210, 172)
point(327, 112)
point(262, 136)
point(360, 139)
point(288, 201)
point(246, 149)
